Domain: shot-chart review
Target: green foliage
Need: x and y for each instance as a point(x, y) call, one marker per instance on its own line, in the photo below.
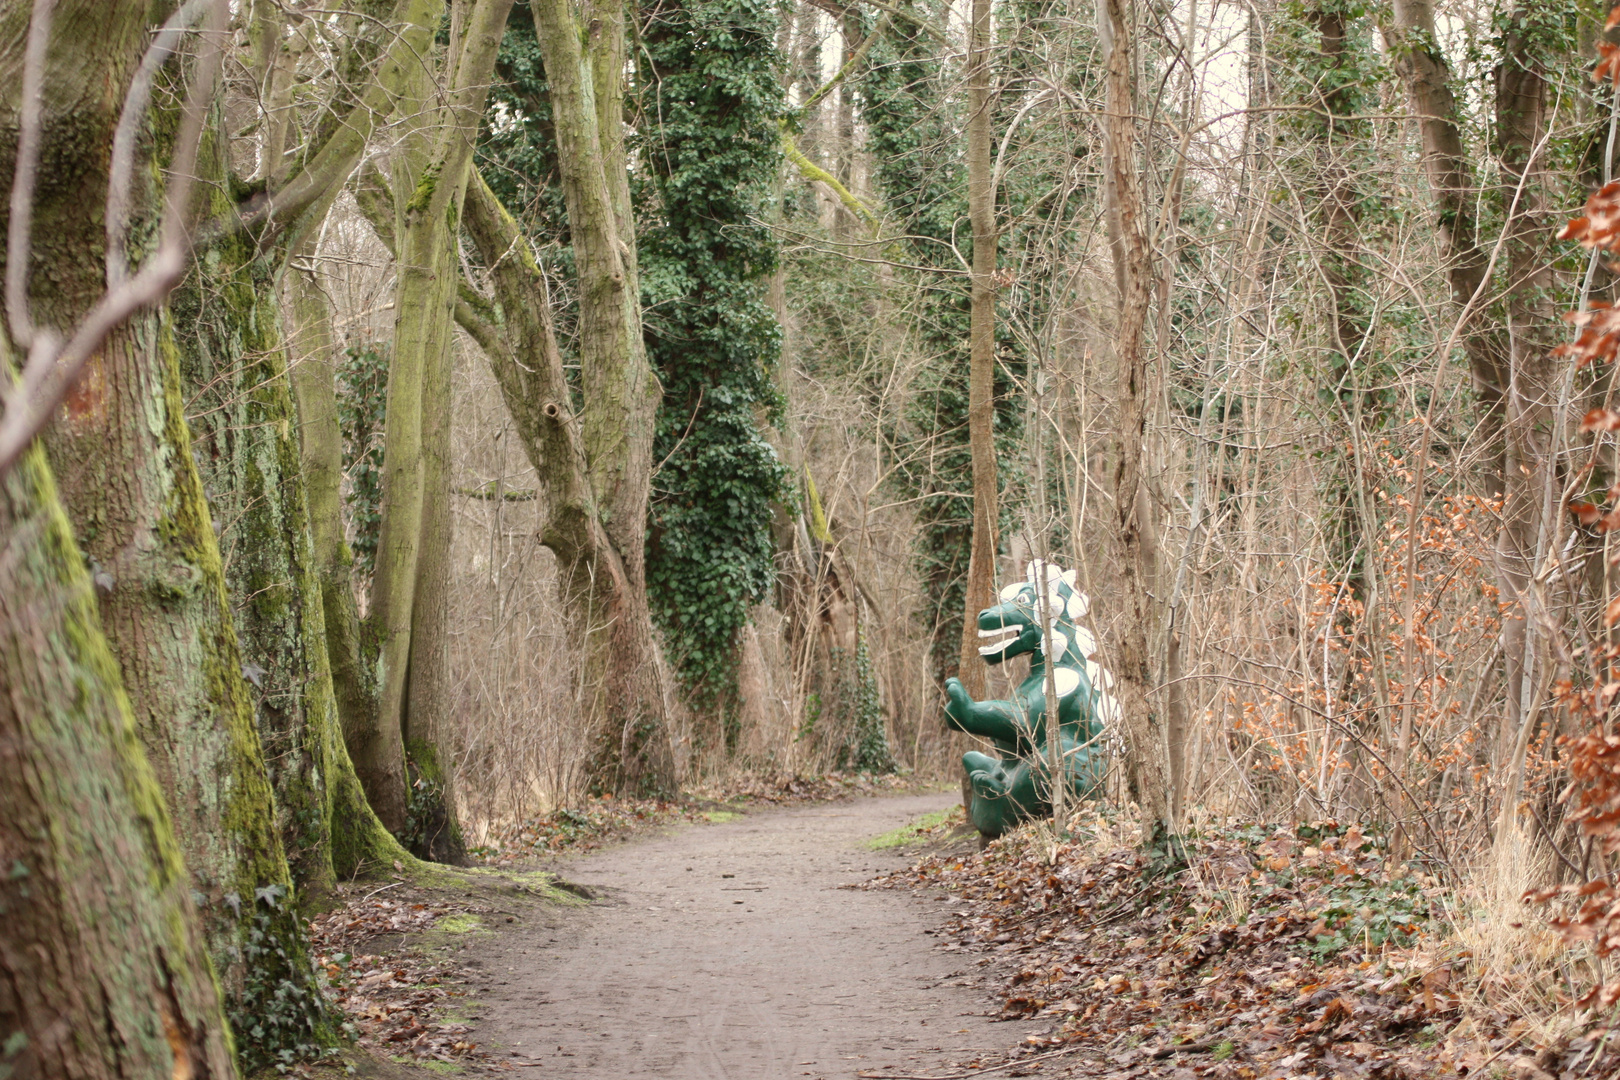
point(362, 393)
point(1367, 913)
point(710, 101)
point(856, 731)
point(279, 1018)
point(871, 743)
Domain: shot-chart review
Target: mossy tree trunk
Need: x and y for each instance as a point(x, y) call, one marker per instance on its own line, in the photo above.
point(234, 366)
point(603, 554)
point(103, 968)
point(410, 604)
point(124, 459)
point(132, 481)
point(359, 840)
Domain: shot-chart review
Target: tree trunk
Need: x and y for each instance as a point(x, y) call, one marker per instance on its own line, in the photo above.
point(314, 374)
point(604, 574)
point(103, 969)
point(1531, 392)
point(130, 482)
point(358, 839)
point(1147, 768)
point(1416, 55)
point(625, 675)
point(981, 579)
point(410, 602)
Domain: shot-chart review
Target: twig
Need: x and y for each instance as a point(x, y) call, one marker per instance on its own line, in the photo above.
point(52, 367)
point(974, 1072)
point(385, 888)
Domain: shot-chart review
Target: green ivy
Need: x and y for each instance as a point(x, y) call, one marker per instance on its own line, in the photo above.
point(279, 1018)
point(517, 156)
point(871, 742)
point(710, 98)
point(362, 393)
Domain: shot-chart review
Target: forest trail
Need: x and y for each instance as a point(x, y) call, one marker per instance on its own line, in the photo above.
point(729, 952)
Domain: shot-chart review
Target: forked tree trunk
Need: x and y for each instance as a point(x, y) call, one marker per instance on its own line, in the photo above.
point(981, 579)
point(607, 607)
point(103, 970)
point(411, 587)
point(358, 838)
point(603, 546)
point(1147, 760)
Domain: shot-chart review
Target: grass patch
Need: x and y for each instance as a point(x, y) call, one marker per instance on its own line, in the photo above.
point(720, 817)
point(913, 832)
point(460, 923)
point(445, 1067)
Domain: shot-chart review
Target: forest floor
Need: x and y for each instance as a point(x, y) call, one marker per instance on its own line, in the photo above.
point(869, 937)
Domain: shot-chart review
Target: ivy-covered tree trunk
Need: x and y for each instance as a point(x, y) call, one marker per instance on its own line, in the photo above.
point(711, 79)
point(104, 972)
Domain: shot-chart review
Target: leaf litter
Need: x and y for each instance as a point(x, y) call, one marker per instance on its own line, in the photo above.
point(1259, 954)
point(400, 998)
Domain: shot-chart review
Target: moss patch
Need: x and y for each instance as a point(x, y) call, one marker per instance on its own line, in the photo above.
point(461, 923)
point(720, 816)
point(913, 832)
point(445, 1067)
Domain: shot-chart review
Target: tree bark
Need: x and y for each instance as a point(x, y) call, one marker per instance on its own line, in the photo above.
point(1147, 763)
point(609, 609)
point(410, 591)
point(130, 482)
point(103, 969)
point(604, 552)
point(1530, 393)
point(981, 579)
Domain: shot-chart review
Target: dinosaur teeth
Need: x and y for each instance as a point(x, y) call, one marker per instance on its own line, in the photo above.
point(995, 647)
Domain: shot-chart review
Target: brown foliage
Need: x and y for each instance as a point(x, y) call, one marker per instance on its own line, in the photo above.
point(1592, 914)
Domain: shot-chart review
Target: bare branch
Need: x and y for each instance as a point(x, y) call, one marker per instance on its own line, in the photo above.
point(52, 368)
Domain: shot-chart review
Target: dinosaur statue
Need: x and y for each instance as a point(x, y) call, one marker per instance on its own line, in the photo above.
point(1013, 785)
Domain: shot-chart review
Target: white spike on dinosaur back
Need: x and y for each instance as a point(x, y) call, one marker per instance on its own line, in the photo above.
point(1085, 642)
point(1067, 681)
point(1055, 646)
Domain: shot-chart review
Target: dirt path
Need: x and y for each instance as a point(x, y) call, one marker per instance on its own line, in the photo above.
point(728, 952)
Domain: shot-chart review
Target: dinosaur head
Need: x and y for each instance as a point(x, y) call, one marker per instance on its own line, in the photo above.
point(1013, 627)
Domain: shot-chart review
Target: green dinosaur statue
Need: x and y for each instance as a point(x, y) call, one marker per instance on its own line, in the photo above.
point(1015, 784)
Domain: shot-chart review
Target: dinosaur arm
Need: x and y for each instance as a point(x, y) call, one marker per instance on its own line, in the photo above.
point(999, 720)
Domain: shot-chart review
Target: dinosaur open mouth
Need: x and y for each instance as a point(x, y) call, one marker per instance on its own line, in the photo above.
point(1006, 635)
